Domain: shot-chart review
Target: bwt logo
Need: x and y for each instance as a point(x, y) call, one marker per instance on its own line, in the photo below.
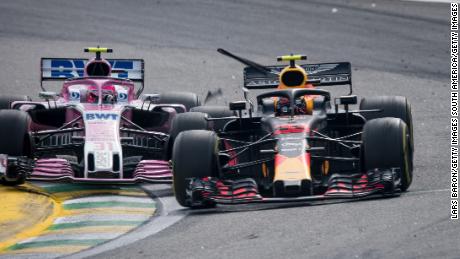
point(101, 116)
point(69, 68)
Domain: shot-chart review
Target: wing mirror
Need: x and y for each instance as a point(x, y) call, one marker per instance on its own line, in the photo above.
point(348, 99)
point(150, 97)
point(48, 95)
point(237, 106)
point(345, 100)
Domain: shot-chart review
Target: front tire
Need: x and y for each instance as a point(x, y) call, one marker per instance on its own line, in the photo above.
point(7, 100)
point(183, 122)
point(386, 145)
point(194, 156)
point(14, 138)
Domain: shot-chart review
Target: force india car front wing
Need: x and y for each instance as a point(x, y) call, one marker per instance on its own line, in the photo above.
point(56, 169)
point(374, 183)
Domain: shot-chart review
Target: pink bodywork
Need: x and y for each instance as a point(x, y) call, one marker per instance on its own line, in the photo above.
point(57, 169)
point(95, 84)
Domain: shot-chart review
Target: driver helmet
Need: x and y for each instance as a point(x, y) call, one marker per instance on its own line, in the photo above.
point(282, 106)
point(92, 95)
point(109, 95)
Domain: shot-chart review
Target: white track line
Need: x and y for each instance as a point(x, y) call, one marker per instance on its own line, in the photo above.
point(101, 218)
point(111, 198)
point(170, 212)
point(55, 237)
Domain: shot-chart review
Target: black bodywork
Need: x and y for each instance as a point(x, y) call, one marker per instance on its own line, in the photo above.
point(249, 145)
point(300, 144)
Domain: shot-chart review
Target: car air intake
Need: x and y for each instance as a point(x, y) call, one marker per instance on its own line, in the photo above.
point(98, 69)
point(293, 78)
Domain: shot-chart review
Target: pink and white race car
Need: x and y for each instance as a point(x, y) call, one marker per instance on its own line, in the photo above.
point(98, 129)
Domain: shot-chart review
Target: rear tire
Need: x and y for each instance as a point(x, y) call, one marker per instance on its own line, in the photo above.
point(183, 122)
point(7, 100)
point(189, 100)
point(215, 112)
point(194, 156)
point(386, 145)
point(14, 137)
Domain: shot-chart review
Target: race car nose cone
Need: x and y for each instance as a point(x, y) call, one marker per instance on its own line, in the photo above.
point(104, 175)
point(283, 188)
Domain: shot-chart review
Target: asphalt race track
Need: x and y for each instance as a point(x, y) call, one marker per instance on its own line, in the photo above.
point(396, 47)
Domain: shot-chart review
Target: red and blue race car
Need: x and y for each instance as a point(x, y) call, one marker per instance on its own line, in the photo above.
point(301, 144)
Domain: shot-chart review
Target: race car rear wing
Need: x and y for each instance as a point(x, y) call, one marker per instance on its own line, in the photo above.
point(323, 74)
point(65, 68)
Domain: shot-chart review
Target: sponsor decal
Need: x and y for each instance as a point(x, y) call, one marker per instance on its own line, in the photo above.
point(75, 67)
point(101, 116)
point(102, 159)
point(291, 144)
point(74, 95)
point(291, 148)
point(103, 146)
point(122, 96)
point(331, 78)
point(262, 82)
point(69, 68)
point(314, 69)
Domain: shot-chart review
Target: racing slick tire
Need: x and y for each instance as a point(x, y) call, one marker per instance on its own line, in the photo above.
point(386, 145)
point(215, 112)
point(183, 122)
point(189, 100)
point(6, 100)
point(14, 137)
point(392, 106)
point(194, 156)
